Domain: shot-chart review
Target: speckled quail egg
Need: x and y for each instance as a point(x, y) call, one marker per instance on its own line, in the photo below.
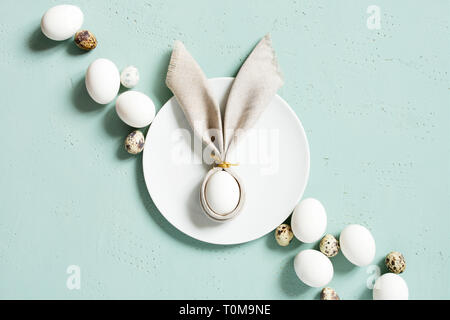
point(395, 262)
point(129, 77)
point(329, 294)
point(134, 142)
point(85, 40)
point(284, 235)
point(329, 245)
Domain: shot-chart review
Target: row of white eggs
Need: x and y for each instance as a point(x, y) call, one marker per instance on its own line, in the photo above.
point(308, 223)
point(103, 82)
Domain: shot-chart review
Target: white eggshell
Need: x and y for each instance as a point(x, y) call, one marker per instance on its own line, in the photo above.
point(357, 245)
point(129, 77)
point(309, 220)
point(390, 286)
point(102, 81)
point(135, 109)
point(222, 192)
point(61, 22)
point(313, 268)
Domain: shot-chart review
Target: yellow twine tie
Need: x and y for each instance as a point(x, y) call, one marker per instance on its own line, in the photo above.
point(222, 164)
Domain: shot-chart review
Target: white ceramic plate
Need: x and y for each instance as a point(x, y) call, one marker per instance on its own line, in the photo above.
point(274, 166)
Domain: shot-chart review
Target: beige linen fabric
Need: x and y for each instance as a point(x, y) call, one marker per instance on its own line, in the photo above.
point(252, 90)
point(190, 86)
point(255, 85)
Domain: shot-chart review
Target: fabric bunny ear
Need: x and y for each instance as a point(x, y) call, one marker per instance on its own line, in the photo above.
point(253, 89)
point(190, 86)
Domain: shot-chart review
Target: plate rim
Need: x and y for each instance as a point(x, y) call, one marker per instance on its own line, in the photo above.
point(228, 243)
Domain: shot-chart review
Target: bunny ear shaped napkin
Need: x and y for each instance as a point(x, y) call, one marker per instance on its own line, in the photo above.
point(252, 90)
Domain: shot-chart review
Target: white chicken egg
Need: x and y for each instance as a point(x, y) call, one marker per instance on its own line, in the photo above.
point(222, 192)
point(313, 268)
point(61, 22)
point(357, 245)
point(390, 286)
point(309, 220)
point(102, 81)
point(135, 109)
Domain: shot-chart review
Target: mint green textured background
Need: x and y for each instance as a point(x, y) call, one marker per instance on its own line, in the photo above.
point(375, 105)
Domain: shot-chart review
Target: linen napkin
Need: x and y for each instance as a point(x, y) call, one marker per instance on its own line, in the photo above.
point(252, 90)
point(191, 89)
point(255, 85)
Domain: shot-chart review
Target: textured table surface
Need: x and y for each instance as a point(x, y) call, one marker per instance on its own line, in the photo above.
point(375, 104)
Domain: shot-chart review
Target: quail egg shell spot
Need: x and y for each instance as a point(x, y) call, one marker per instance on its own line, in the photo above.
point(134, 142)
point(222, 192)
point(102, 81)
point(135, 109)
point(395, 262)
point(329, 246)
point(309, 220)
point(357, 244)
point(85, 40)
point(329, 294)
point(61, 22)
point(129, 77)
point(284, 235)
point(390, 286)
point(313, 268)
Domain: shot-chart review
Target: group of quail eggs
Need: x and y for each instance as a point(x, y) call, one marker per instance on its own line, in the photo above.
point(329, 246)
